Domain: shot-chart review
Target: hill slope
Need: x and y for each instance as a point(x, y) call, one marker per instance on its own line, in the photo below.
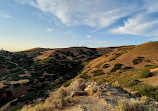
point(130, 67)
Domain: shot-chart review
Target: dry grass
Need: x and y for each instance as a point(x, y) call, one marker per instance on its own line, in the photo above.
point(133, 105)
point(1, 85)
point(57, 101)
point(20, 81)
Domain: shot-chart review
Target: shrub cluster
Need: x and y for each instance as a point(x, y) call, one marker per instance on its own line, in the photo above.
point(116, 67)
point(127, 67)
point(132, 83)
point(145, 73)
point(14, 103)
point(16, 85)
point(67, 83)
point(85, 76)
point(27, 96)
point(138, 60)
point(98, 72)
point(105, 66)
point(133, 105)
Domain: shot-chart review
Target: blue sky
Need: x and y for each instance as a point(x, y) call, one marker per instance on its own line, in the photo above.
point(27, 24)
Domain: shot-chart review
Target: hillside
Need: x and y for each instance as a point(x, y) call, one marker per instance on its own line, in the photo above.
point(127, 72)
point(32, 76)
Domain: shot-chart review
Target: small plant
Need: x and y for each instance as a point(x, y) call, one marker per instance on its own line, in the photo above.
point(127, 67)
point(67, 83)
point(105, 66)
point(138, 60)
point(13, 103)
point(145, 73)
point(16, 85)
point(116, 67)
point(98, 73)
point(85, 76)
point(132, 105)
point(112, 59)
point(132, 83)
point(27, 96)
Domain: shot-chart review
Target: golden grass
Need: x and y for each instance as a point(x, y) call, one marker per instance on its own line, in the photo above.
point(57, 101)
point(132, 105)
point(20, 81)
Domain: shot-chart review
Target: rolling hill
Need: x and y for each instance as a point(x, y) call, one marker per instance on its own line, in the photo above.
point(39, 71)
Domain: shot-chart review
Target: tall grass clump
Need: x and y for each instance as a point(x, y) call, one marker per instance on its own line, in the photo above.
point(145, 73)
point(132, 105)
point(98, 73)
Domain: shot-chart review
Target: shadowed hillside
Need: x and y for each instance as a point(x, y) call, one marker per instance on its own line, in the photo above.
point(34, 77)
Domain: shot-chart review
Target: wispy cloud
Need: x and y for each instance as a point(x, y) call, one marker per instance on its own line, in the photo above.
point(4, 15)
point(89, 36)
point(141, 24)
point(135, 16)
point(94, 13)
point(50, 29)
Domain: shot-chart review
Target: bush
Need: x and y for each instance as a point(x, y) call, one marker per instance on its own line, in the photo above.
point(16, 85)
point(138, 60)
point(116, 67)
point(98, 72)
point(28, 96)
point(14, 103)
point(132, 105)
point(127, 67)
point(67, 83)
point(132, 83)
point(105, 66)
point(145, 73)
point(85, 76)
point(17, 109)
point(148, 65)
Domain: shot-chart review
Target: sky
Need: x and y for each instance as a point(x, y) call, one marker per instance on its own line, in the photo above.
point(26, 24)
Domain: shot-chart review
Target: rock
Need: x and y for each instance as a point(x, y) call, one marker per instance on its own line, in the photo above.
point(77, 85)
point(78, 93)
point(81, 87)
point(91, 89)
point(109, 101)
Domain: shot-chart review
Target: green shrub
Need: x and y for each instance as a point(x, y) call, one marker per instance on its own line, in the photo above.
point(127, 67)
point(112, 59)
point(17, 109)
point(85, 76)
point(98, 72)
point(14, 103)
point(116, 67)
point(16, 85)
point(67, 83)
point(145, 73)
point(138, 60)
point(132, 105)
point(148, 65)
point(105, 66)
point(132, 83)
point(28, 96)
point(41, 79)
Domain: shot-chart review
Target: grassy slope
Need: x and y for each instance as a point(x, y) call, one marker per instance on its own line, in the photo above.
point(118, 67)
